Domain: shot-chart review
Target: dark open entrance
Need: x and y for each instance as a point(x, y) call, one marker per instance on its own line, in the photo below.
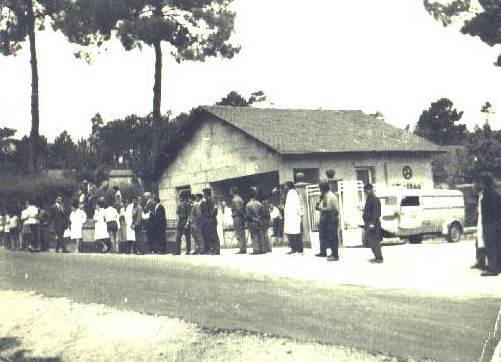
point(265, 183)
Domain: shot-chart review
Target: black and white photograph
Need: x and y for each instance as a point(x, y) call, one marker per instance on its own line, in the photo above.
point(250, 180)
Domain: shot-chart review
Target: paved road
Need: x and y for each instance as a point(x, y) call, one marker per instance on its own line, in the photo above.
point(398, 323)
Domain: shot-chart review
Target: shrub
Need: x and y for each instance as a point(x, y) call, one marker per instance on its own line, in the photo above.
point(40, 190)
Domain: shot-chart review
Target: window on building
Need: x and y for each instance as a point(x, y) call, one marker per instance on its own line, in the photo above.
point(365, 174)
point(311, 175)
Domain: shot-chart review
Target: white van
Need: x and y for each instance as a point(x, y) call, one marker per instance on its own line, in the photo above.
point(411, 214)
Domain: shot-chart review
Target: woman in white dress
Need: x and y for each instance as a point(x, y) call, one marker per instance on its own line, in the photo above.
point(78, 217)
point(129, 231)
point(101, 236)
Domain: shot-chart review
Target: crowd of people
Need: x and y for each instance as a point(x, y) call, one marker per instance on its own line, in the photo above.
point(128, 227)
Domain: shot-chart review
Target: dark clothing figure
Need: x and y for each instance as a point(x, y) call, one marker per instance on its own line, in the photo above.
point(43, 230)
point(195, 221)
point(209, 226)
point(372, 225)
point(491, 223)
point(265, 226)
point(137, 226)
point(59, 221)
point(328, 224)
point(238, 215)
point(254, 214)
point(158, 227)
point(183, 227)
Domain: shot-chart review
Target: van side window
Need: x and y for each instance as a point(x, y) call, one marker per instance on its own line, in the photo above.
point(410, 201)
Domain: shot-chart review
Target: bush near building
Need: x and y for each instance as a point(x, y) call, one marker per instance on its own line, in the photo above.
point(40, 190)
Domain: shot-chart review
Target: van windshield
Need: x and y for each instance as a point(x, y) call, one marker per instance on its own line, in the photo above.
point(410, 201)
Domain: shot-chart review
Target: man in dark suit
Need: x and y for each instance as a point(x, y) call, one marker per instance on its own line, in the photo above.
point(183, 227)
point(372, 224)
point(490, 207)
point(158, 225)
point(59, 221)
point(209, 223)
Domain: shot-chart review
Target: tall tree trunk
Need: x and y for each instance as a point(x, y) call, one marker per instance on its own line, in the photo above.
point(35, 120)
point(157, 87)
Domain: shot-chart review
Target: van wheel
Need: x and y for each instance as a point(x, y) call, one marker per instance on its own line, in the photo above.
point(416, 239)
point(455, 233)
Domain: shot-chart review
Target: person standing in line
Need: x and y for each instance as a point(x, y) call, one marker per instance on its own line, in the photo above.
point(254, 216)
point(329, 212)
point(101, 236)
point(29, 219)
point(490, 208)
point(150, 230)
point(372, 224)
point(209, 217)
point(292, 218)
point(196, 227)
point(122, 226)
point(238, 215)
point(159, 225)
point(481, 255)
point(113, 226)
point(59, 223)
point(78, 217)
point(128, 228)
point(137, 225)
point(265, 225)
point(6, 229)
point(14, 231)
point(276, 223)
point(44, 228)
point(183, 227)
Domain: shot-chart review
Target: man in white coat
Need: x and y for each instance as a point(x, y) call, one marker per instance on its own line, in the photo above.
point(292, 219)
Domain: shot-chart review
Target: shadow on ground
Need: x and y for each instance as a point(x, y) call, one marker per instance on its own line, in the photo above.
point(19, 355)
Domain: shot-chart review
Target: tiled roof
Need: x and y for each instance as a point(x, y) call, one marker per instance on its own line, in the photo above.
point(291, 131)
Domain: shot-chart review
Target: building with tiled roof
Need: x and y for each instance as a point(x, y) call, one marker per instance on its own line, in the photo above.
point(245, 146)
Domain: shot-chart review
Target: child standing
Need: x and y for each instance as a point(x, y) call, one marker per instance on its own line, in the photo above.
point(78, 217)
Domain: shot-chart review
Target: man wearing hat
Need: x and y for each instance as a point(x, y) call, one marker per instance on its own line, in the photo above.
point(372, 224)
point(209, 223)
point(183, 227)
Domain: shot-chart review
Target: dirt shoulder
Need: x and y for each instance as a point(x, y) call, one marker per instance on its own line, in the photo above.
point(33, 327)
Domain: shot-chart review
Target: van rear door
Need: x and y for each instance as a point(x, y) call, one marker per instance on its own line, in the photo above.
point(389, 214)
point(411, 214)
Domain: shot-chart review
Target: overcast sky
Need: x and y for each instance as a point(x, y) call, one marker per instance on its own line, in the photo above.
point(385, 55)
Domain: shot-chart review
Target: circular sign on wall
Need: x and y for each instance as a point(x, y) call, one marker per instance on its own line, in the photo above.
point(407, 172)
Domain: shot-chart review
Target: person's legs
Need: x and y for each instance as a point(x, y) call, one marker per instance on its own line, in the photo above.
point(179, 237)
point(239, 228)
point(375, 244)
point(254, 233)
point(187, 237)
point(334, 241)
point(266, 238)
point(322, 236)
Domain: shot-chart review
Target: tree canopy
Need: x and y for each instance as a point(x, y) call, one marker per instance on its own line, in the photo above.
point(439, 124)
point(481, 18)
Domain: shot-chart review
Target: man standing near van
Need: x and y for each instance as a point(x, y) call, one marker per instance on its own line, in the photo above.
point(490, 209)
point(372, 224)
